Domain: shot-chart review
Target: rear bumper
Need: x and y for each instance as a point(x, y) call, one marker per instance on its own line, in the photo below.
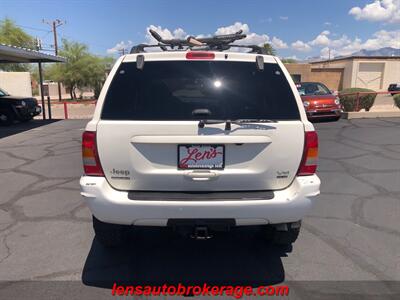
point(113, 206)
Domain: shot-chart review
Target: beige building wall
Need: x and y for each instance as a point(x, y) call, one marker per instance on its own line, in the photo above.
point(331, 77)
point(375, 74)
point(16, 83)
point(304, 70)
point(348, 74)
point(344, 65)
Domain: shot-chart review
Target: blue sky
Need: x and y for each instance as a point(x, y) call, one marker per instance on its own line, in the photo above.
point(296, 28)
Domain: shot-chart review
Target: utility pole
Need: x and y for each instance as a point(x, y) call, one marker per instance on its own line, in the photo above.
point(54, 24)
point(122, 51)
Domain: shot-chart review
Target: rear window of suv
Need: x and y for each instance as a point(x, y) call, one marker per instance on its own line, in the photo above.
point(172, 90)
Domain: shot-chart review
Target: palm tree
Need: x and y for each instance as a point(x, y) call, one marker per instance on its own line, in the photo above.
point(269, 49)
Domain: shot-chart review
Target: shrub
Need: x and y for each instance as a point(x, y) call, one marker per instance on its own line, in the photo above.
point(396, 99)
point(349, 102)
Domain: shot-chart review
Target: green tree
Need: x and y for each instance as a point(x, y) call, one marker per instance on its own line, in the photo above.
point(11, 34)
point(81, 69)
point(269, 49)
point(97, 67)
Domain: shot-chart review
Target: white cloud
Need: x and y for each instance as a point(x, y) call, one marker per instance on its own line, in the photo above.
point(165, 33)
point(119, 47)
point(252, 37)
point(346, 46)
point(278, 43)
point(327, 53)
point(291, 57)
point(378, 11)
point(343, 45)
point(340, 42)
point(382, 39)
point(322, 39)
point(301, 46)
point(325, 41)
point(284, 18)
point(349, 48)
point(233, 28)
point(327, 23)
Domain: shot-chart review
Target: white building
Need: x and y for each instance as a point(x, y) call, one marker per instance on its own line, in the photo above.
point(16, 83)
point(371, 72)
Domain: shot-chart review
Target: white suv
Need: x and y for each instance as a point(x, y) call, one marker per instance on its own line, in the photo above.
point(204, 140)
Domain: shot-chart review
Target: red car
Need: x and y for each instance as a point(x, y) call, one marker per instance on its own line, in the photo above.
point(319, 101)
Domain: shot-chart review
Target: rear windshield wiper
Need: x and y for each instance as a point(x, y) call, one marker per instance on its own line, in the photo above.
point(228, 123)
point(202, 123)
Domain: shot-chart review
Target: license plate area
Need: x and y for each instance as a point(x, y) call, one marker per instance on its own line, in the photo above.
point(201, 156)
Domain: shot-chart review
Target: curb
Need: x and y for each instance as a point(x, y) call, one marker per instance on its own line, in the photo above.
point(370, 114)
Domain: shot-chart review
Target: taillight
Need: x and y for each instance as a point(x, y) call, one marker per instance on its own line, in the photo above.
point(308, 164)
point(200, 55)
point(91, 162)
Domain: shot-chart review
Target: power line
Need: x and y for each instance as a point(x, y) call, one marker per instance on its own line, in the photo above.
point(54, 24)
point(46, 34)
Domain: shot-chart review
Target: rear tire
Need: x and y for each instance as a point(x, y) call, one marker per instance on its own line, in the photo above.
point(283, 238)
point(26, 119)
point(109, 235)
point(6, 117)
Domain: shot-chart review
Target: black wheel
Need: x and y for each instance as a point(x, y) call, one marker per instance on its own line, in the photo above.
point(6, 117)
point(284, 237)
point(109, 235)
point(26, 119)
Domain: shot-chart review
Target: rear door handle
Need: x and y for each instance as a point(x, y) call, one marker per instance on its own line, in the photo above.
point(201, 175)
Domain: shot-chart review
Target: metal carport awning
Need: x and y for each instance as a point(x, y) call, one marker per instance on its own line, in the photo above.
point(13, 54)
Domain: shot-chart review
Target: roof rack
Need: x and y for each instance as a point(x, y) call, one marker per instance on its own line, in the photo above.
point(217, 42)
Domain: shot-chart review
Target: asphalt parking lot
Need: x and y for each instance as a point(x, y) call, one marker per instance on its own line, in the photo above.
point(351, 238)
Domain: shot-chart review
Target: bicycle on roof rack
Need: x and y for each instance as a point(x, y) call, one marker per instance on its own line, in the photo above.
point(217, 43)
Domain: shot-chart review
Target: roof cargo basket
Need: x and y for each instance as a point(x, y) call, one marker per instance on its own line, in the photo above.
point(217, 43)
